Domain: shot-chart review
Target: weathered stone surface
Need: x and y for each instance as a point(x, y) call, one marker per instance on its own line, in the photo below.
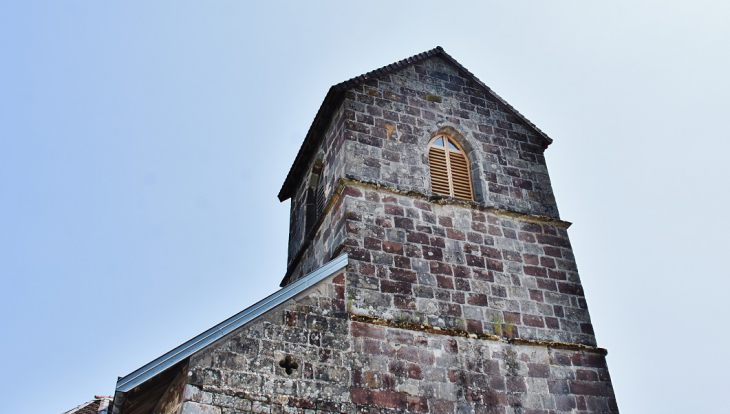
point(454, 281)
point(380, 131)
point(446, 306)
point(195, 408)
point(366, 366)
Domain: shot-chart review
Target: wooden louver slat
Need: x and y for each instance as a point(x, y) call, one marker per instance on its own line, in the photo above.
point(439, 171)
point(449, 167)
point(460, 176)
point(320, 200)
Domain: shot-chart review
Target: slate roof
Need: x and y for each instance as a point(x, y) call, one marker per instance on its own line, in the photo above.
point(99, 405)
point(336, 93)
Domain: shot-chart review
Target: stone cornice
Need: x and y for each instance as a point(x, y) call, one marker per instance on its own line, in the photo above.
point(474, 335)
point(444, 200)
point(346, 181)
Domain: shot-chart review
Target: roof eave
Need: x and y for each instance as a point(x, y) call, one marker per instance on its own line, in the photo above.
point(329, 104)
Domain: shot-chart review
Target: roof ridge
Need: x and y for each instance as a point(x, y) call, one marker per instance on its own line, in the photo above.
point(499, 98)
point(388, 68)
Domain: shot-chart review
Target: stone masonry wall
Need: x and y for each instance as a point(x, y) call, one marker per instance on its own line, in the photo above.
point(242, 372)
point(347, 366)
point(390, 120)
point(446, 306)
point(423, 372)
point(380, 132)
point(452, 266)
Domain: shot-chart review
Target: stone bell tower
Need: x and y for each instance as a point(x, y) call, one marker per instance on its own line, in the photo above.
point(428, 271)
point(438, 190)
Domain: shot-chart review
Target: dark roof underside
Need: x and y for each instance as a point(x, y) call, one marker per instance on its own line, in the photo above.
point(334, 98)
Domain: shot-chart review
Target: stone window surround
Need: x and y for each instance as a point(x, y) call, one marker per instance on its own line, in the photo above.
point(472, 156)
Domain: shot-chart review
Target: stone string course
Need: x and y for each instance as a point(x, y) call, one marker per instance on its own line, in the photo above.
point(474, 335)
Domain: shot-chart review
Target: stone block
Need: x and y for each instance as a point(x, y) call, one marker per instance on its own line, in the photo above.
point(189, 407)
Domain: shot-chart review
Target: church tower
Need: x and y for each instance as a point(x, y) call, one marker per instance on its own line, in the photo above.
point(428, 269)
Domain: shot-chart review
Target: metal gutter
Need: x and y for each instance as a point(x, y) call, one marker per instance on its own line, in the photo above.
point(134, 379)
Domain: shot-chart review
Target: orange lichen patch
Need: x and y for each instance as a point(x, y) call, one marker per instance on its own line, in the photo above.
point(390, 129)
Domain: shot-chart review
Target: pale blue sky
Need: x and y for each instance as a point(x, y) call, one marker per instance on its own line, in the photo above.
point(142, 145)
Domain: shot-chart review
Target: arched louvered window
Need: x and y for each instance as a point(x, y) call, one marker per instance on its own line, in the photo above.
point(450, 174)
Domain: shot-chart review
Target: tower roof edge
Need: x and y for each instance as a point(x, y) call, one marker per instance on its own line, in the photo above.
point(336, 93)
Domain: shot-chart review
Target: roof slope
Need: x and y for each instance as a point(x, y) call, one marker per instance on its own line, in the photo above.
point(336, 94)
point(168, 360)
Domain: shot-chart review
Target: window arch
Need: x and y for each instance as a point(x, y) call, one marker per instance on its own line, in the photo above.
point(450, 175)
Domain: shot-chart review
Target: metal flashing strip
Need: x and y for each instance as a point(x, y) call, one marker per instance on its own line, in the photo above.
point(129, 382)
